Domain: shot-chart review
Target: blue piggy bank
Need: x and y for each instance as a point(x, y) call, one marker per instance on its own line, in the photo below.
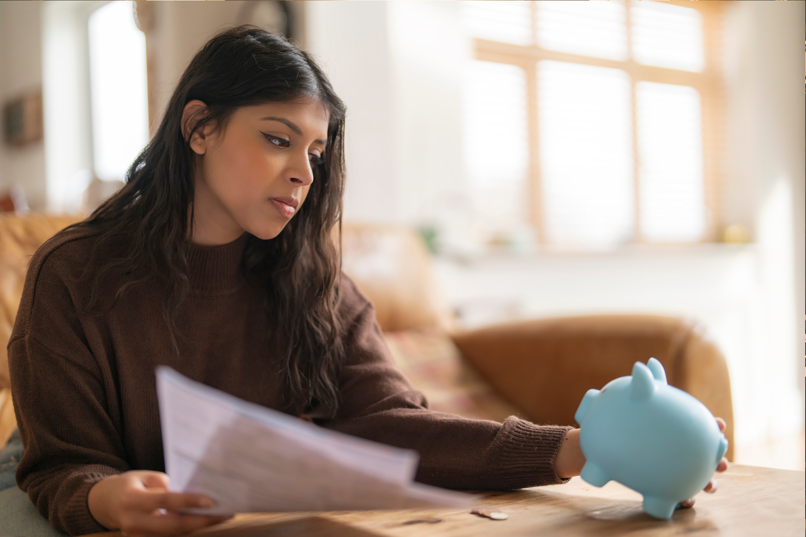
point(649, 436)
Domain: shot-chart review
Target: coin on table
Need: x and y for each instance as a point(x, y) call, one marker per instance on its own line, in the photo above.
point(490, 513)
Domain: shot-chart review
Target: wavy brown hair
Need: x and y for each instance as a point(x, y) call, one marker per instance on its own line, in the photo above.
point(146, 223)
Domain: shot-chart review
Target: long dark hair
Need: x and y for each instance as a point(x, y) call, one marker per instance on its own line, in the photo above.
point(299, 269)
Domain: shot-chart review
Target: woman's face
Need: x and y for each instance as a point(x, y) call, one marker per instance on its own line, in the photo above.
point(265, 152)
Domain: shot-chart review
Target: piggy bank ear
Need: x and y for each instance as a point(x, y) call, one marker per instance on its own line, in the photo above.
point(643, 383)
point(657, 370)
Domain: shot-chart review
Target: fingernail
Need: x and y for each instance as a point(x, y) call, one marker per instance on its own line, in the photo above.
point(204, 502)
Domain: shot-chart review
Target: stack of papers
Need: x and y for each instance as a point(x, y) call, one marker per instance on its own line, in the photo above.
point(251, 459)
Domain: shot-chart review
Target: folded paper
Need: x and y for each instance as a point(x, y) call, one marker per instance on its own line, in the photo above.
point(250, 458)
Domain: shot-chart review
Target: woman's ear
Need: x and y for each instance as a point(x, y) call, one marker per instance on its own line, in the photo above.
point(194, 111)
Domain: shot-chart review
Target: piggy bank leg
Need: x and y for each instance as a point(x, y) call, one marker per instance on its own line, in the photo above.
point(594, 475)
point(659, 508)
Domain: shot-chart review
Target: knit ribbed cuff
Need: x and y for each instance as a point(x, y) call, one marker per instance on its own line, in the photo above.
point(523, 454)
point(74, 516)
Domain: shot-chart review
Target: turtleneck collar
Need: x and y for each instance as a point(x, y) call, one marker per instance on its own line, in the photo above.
point(217, 268)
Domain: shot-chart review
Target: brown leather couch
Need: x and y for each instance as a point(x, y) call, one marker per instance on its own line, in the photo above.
point(538, 369)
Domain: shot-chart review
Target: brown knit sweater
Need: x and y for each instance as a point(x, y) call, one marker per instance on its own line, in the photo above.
point(86, 403)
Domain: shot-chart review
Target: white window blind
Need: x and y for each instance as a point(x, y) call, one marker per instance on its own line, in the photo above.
point(496, 139)
point(585, 154)
point(507, 22)
point(670, 146)
point(667, 36)
point(594, 29)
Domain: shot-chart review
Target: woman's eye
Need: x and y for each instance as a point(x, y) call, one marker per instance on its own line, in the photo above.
point(281, 142)
point(316, 160)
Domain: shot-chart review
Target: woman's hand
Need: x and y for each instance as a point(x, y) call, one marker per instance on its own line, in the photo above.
point(138, 503)
point(569, 460)
point(710, 488)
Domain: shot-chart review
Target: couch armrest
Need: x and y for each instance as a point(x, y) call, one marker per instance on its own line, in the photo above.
point(545, 366)
point(20, 237)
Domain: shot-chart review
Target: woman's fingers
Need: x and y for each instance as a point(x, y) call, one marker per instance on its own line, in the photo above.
point(168, 524)
point(153, 511)
point(154, 480)
point(151, 499)
point(723, 464)
point(711, 487)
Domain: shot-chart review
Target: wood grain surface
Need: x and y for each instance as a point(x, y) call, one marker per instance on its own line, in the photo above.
point(751, 501)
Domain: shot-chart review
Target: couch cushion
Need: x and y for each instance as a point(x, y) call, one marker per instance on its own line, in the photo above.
point(391, 265)
point(435, 366)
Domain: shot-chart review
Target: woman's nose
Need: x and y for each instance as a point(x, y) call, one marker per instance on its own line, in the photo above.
point(301, 173)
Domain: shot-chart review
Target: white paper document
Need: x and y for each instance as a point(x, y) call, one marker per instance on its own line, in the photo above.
point(250, 458)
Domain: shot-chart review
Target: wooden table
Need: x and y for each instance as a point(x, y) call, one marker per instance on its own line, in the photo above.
point(751, 501)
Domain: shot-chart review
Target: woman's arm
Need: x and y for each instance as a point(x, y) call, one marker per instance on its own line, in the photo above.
point(379, 403)
point(70, 441)
point(71, 430)
point(73, 467)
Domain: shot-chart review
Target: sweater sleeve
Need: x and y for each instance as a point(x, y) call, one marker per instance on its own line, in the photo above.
point(378, 403)
point(69, 440)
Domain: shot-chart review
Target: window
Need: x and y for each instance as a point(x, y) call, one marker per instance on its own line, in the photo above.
point(594, 124)
point(118, 88)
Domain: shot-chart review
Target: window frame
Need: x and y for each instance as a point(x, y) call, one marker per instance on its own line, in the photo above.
point(709, 83)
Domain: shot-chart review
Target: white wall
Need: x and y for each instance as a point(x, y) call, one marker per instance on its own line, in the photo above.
point(765, 153)
point(351, 42)
point(765, 165)
point(182, 28)
point(20, 72)
point(428, 49)
point(397, 66)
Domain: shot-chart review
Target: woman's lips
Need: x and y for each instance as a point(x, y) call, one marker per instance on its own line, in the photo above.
point(284, 209)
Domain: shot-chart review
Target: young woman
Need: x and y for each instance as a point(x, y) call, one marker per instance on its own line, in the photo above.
point(216, 258)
